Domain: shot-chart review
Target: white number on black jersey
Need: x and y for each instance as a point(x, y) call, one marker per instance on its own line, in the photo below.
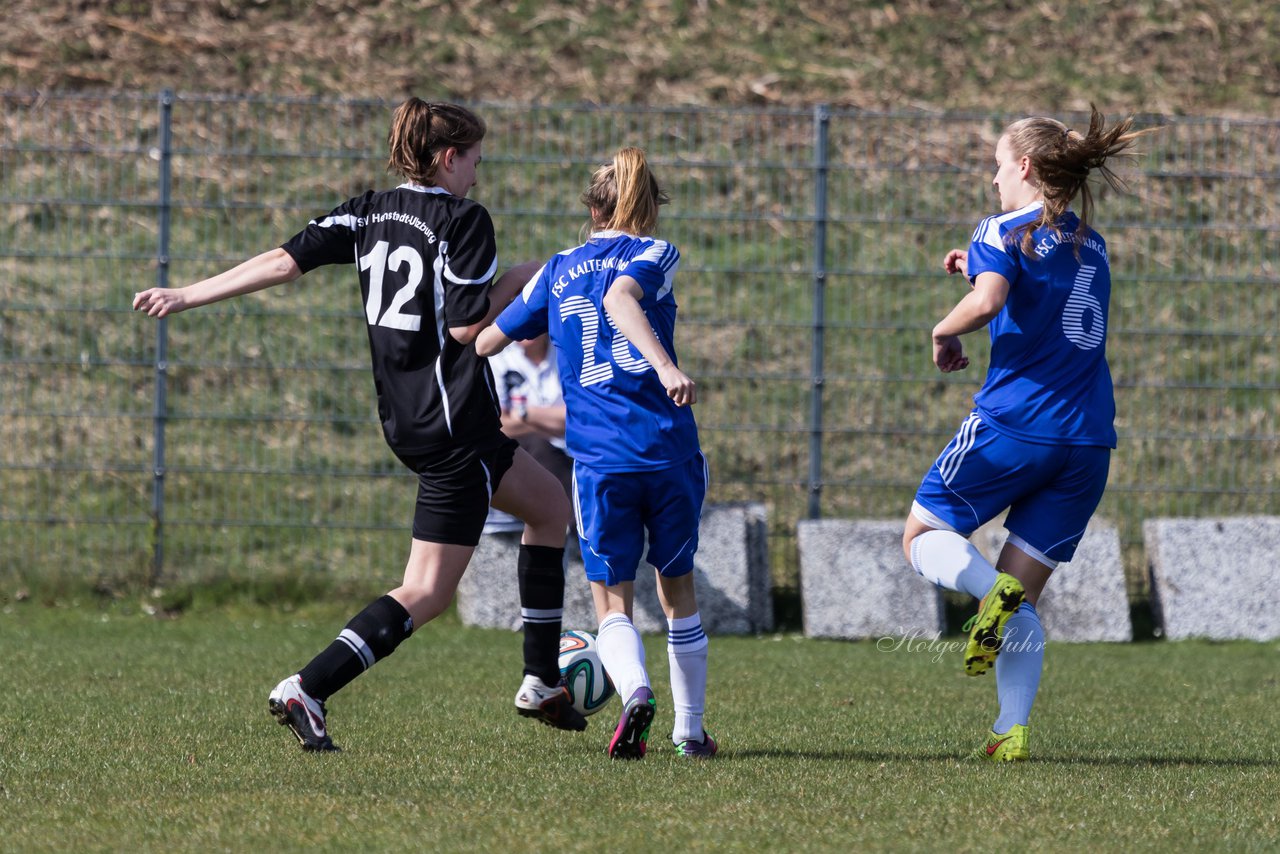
point(377, 262)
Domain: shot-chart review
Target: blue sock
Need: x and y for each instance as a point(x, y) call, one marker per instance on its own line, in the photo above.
point(1018, 668)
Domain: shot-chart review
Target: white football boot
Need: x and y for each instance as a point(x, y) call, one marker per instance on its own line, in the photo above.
point(301, 713)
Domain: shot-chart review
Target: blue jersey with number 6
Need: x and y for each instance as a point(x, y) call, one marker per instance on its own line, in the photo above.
point(618, 415)
point(1048, 381)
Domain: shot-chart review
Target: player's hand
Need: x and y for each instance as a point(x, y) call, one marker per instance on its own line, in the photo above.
point(158, 302)
point(957, 261)
point(948, 353)
point(682, 390)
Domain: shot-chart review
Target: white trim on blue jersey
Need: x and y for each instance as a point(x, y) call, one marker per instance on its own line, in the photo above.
point(989, 230)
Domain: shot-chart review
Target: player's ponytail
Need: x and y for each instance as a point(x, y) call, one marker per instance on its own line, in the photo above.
point(421, 131)
point(625, 195)
point(1063, 160)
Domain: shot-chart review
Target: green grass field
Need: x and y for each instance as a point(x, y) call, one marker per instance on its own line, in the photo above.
point(120, 731)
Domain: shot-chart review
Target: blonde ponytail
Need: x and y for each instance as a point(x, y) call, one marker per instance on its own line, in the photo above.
point(624, 195)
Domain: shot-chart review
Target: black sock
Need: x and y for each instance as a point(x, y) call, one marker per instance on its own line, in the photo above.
point(371, 636)
point(541, 573)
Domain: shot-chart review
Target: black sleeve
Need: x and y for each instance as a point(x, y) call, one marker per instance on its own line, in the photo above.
point(470, 262)
point(330, 239)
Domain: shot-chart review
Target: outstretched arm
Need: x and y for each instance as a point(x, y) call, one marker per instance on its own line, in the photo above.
point(273, 267)
point(622, 302)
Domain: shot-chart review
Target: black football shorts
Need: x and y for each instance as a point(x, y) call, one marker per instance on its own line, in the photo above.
point(455, 486)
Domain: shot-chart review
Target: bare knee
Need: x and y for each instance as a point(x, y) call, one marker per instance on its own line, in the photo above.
point(547, 521)
point(913, 528)
point(677, 596)
point(422, 603)
point(909, 537)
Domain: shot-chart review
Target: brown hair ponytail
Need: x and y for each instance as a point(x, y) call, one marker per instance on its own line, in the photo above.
point(1063, 160)
point(625, 195)
point(421, 131)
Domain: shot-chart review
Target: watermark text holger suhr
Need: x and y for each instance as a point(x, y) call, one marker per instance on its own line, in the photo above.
point(917, 641)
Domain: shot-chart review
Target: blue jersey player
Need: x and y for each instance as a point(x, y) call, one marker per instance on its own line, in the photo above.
point(610, 311)
point(1038, 441)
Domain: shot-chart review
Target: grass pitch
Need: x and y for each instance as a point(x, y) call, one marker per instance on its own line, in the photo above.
point(120, 731)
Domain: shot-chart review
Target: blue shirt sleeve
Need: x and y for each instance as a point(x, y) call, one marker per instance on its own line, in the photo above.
point(526, 317)
point(991, 251)
point(655, 269)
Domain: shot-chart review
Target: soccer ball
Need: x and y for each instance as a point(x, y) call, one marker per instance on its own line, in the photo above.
point(584, 675)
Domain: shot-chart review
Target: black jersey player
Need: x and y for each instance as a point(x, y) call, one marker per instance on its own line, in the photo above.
point(426, 256)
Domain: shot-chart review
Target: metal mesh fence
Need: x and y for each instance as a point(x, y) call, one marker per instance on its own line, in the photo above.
point(242, 437)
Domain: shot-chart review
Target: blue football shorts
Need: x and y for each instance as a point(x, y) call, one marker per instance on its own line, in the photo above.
point(614, 511)
point(1051, 491)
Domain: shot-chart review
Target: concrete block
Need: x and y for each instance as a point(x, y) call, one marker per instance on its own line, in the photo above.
point(855, 582)
point(1086, 599)
point(1216, 578)
point(731, 576)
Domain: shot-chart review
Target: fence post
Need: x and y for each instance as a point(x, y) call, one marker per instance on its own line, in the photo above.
point(821, 129)
point(162, 339)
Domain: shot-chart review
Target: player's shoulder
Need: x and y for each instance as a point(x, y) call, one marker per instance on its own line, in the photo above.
point(563, 259)
point(994, 230)
point(363, 203)
point(416, 197)
point(657, 251)
point(1070, 222)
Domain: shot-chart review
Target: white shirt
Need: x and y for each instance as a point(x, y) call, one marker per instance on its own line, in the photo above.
point(513, 372)
point(540, 385)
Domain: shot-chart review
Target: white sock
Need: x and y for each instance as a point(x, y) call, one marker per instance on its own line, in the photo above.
point(622, 654)
point(949, 560)
point(687, 655)
point(1018, 668)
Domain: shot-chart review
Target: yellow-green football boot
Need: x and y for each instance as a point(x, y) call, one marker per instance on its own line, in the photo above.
point(1007, 747)
point(986, 628)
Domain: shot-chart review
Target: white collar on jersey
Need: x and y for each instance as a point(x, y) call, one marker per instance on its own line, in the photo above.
point(418, 188)
point(611, 232)
point(1035, 206)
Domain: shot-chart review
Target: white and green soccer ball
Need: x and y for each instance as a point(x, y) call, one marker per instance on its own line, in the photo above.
point(588, 684)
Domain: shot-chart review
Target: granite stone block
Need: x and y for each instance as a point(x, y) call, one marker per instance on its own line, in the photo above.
point(856, 583)
point(1216, 578)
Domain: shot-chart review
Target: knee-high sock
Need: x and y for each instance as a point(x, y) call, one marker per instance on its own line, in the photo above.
point(371, 636)
point(1018, 668)
point(540, 570)
point(949, 560)
point(622, 654)
point(687, 655)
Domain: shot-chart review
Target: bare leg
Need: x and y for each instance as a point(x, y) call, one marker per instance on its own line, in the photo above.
point(431, 578)
point(914, 528)
point(534, 495)
point(1032, 573)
